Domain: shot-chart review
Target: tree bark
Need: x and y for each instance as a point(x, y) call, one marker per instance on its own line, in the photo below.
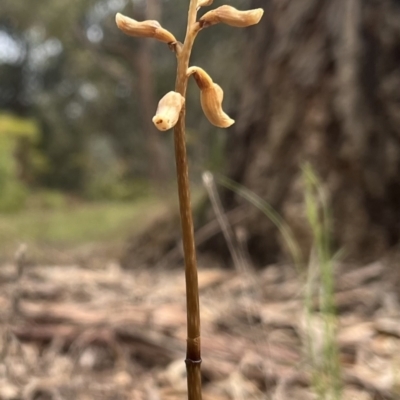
point(321, 85)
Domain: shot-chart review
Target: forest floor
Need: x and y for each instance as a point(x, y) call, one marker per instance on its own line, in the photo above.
point(82, 327)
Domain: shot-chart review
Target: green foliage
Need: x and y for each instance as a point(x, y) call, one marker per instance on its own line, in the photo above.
point(47, 200)
point(13, 130)
point(325, 361)
point(108, 188)
point(77, 88)
point(13, 196)
point(106, 175)
point(51, 218)
point(16, 127)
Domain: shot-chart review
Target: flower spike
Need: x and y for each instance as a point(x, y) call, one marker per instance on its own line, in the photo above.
point(231, 16)
point(211, 96)
point(168, 111)
point(150, 29)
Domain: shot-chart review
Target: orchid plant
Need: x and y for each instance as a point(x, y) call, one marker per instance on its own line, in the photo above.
point(171, 113)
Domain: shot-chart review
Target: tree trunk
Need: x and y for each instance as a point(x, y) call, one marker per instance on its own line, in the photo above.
point(322, 85)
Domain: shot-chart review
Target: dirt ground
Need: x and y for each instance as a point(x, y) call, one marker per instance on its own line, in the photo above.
point(91, 330)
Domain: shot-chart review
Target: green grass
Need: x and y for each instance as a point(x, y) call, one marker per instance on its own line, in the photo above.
point(269, 212)
point(323, 363)
point(326, 370)
point(78, 223)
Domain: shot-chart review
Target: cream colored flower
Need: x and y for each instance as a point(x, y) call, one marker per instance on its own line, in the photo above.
point(168, 111)
point(231, 16)
point(204, 3)
point(211, 96)
point(149, 28)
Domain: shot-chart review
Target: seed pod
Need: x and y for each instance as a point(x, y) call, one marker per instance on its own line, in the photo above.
point(149, 28)
point(231, 16)
point(211, 96)
point(168, 111)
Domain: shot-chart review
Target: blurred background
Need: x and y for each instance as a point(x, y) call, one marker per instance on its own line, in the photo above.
point(309, 171)
point(314, 82)
point(76, 100)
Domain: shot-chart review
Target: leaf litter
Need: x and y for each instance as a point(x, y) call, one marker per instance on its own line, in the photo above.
point(98, 331)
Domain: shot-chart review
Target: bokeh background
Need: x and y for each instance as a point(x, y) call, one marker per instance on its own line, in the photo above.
point(308, 175)
point(77, 98)
point(314, 82)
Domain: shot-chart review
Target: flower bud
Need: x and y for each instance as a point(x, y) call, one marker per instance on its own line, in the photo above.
point(231, 16)
point(150, 29)
point(168, 111)
point(211, 96)
point(204, 3)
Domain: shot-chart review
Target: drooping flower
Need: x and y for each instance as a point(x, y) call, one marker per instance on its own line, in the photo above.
point(231, 16)
point(168, 111)
point(149, 28)
point(211, 96)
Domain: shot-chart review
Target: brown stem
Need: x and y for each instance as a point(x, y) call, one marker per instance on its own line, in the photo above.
point(193, 353)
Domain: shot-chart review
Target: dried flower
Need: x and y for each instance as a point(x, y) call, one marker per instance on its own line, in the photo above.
point(231, 16)
point(168, 111)
point(211, 96)
point(150, 29)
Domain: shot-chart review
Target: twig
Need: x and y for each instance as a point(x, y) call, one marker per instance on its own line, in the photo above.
point(231, 240)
